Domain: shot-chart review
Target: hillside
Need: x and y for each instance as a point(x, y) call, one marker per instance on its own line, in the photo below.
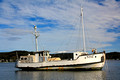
point(113, 55)
point(12, 56)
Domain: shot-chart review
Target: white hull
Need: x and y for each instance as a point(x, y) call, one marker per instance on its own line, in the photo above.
point(93, 61)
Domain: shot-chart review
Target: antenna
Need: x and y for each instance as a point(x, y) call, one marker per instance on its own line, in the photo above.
point(84, 48)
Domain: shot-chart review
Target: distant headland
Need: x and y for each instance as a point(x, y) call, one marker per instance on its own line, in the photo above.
point(14, 55)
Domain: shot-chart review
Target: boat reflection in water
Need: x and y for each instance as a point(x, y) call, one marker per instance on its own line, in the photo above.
point(60, 75)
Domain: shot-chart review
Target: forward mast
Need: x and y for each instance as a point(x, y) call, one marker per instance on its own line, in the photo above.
point(36, 34)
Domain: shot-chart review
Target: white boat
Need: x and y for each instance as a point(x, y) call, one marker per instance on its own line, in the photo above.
point(78, 60)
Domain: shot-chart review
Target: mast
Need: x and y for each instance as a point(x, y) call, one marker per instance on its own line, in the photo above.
point(36, 36)
point(84, 48)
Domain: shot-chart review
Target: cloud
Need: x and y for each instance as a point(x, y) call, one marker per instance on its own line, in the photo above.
point(59, 20)
point(14, 32)
point(13, 38)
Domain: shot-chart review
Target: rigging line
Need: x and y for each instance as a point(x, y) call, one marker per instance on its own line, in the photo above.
point(33, 41)
point(41, 43)
point(70, 37)
point(87, 39)
point(80, 29)
point(78, 38)
point(41, 47)
point(64, 38)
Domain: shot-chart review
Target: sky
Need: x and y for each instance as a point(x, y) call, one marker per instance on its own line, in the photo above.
point(59, 25)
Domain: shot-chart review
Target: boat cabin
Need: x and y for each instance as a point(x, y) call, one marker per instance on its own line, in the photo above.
point(27, 59)
point(40, 56)
point(43, 56)
point(69, 55)
point(78, 53)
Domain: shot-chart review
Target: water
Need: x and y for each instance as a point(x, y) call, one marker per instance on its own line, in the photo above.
point(111, 71)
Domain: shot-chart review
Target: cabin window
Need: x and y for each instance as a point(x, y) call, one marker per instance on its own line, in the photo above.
point(25, 58)
point(45, 54)
point(76, 54)
point(95, 56)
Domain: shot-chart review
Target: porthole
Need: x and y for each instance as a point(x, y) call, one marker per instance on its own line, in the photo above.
point(25, 58)
point(95, 56)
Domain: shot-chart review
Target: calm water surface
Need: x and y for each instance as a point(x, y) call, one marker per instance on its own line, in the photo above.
point(111, 71)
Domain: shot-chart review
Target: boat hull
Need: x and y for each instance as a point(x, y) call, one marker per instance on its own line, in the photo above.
point(86, 62)
point(92, 66)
